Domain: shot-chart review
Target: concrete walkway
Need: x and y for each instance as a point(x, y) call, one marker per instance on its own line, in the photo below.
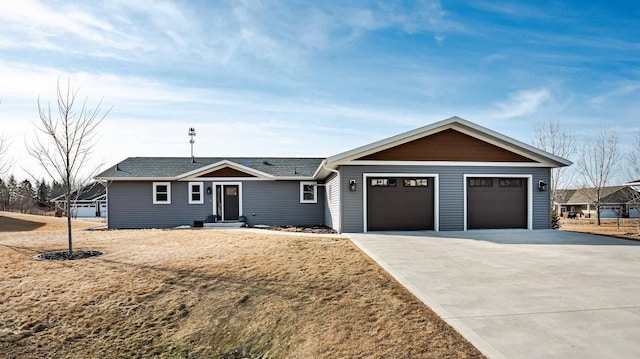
point(520, 293)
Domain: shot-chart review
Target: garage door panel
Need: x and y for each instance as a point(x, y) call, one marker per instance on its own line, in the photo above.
point(498, 204)
point(399, 207)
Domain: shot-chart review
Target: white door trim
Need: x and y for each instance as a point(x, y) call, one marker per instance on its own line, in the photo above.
point(215, 199)
point(436, 194)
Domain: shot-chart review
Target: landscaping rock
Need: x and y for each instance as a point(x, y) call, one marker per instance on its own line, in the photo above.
point(64, 255)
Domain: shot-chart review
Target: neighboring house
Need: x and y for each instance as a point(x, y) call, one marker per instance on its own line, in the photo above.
point(88, 202)
point(616, 201)
point(450, 175)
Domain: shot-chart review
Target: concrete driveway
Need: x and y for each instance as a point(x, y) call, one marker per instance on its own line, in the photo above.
point(520, 293)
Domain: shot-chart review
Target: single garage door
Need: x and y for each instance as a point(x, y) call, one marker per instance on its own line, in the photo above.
point(496, 203)
point(83, 210)
point(399, 203)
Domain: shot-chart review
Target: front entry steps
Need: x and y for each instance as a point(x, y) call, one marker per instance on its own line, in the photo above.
point(234, 224)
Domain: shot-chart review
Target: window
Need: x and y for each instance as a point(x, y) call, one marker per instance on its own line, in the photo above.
point(510, 182)
point(480, 182)
point(308, 192)
point(195, 193)
point(383, 182)
point(416, 182)
point(161, 193)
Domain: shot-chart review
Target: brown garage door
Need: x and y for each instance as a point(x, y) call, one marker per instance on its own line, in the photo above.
point(403, 204)
point(496, 203)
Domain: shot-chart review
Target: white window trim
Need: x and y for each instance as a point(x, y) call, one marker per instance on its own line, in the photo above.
point(315, 191)
point(201, 185)
point(155, 188)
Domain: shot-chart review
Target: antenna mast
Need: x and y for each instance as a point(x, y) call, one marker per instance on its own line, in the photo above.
point(192, 134)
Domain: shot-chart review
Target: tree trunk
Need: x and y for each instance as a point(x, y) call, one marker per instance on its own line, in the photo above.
point(598, 213)
point(68, 210)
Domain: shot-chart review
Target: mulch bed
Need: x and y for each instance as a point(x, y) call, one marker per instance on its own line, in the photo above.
point(301, 229)
point(64, 255)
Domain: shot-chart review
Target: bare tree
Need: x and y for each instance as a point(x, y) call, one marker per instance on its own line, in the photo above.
point(633, 159)
point(598, 162)
point(550, 136)
point(633, 174)
point(5, 163)
point(63, 144)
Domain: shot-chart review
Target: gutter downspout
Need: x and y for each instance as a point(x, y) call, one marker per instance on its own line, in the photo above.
point(106, 184)
point(324, 166)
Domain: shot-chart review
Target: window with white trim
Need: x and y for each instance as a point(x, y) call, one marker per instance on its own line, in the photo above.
point(161, 192)
point(195, 193)
point(308, 192)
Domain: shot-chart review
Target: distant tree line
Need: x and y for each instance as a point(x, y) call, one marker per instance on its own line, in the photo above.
point(27, 197)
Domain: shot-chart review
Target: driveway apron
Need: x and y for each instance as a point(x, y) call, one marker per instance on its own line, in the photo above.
point(522, 293)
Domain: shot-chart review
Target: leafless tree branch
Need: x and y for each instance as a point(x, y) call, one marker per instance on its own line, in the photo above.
point(62, 144)
point(598, 161)
point(5, 162)
point(550, 136)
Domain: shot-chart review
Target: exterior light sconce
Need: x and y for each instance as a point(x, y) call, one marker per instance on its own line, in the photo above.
point(542, 186)
point(208, 190)
point(352, 185)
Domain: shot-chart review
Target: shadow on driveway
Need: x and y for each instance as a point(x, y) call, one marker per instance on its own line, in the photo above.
point(521, 236)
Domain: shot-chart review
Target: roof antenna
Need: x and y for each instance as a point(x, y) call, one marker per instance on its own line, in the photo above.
point(192, 134)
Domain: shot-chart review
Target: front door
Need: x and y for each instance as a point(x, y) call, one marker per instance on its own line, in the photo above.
point(231, 202)
point(228, 206)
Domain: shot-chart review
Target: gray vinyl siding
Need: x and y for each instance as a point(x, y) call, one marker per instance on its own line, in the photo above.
point(451, 192)
point(332, 202)
point(130, 205)
point(278, 203)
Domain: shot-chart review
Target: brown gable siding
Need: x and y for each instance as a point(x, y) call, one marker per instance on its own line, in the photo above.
point(447, 145)
point(227, 172)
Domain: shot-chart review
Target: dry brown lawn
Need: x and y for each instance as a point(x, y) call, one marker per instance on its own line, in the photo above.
point(205, 293)
point(625, 228)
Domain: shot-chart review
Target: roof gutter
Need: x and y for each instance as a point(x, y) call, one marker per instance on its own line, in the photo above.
point(324, 166)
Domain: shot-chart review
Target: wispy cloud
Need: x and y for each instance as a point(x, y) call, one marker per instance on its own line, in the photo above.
point(521, 103)
point(620, 90)
point(512, 9)
point(265, 30)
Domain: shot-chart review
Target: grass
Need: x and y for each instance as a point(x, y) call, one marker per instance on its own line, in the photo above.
point(207, 294)
point(626, 228)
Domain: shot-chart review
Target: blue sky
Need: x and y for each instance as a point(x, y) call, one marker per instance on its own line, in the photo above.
point(301, 78)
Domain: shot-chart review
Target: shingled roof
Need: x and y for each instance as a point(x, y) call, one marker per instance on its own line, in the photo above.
point(176, 167)
point(612, 194)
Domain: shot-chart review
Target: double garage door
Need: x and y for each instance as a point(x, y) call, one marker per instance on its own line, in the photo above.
point(407, 203)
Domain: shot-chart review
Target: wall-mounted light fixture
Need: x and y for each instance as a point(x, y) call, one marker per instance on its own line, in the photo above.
point(542, 186)
point(352, 185)
point(208, 190)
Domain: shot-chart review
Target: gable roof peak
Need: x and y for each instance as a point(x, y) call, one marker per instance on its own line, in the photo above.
point(461, 125)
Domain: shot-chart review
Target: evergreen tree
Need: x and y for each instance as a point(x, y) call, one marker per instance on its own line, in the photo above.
point(44, 193)
point(12, 189)
point(26, 201)
point(4, 196)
